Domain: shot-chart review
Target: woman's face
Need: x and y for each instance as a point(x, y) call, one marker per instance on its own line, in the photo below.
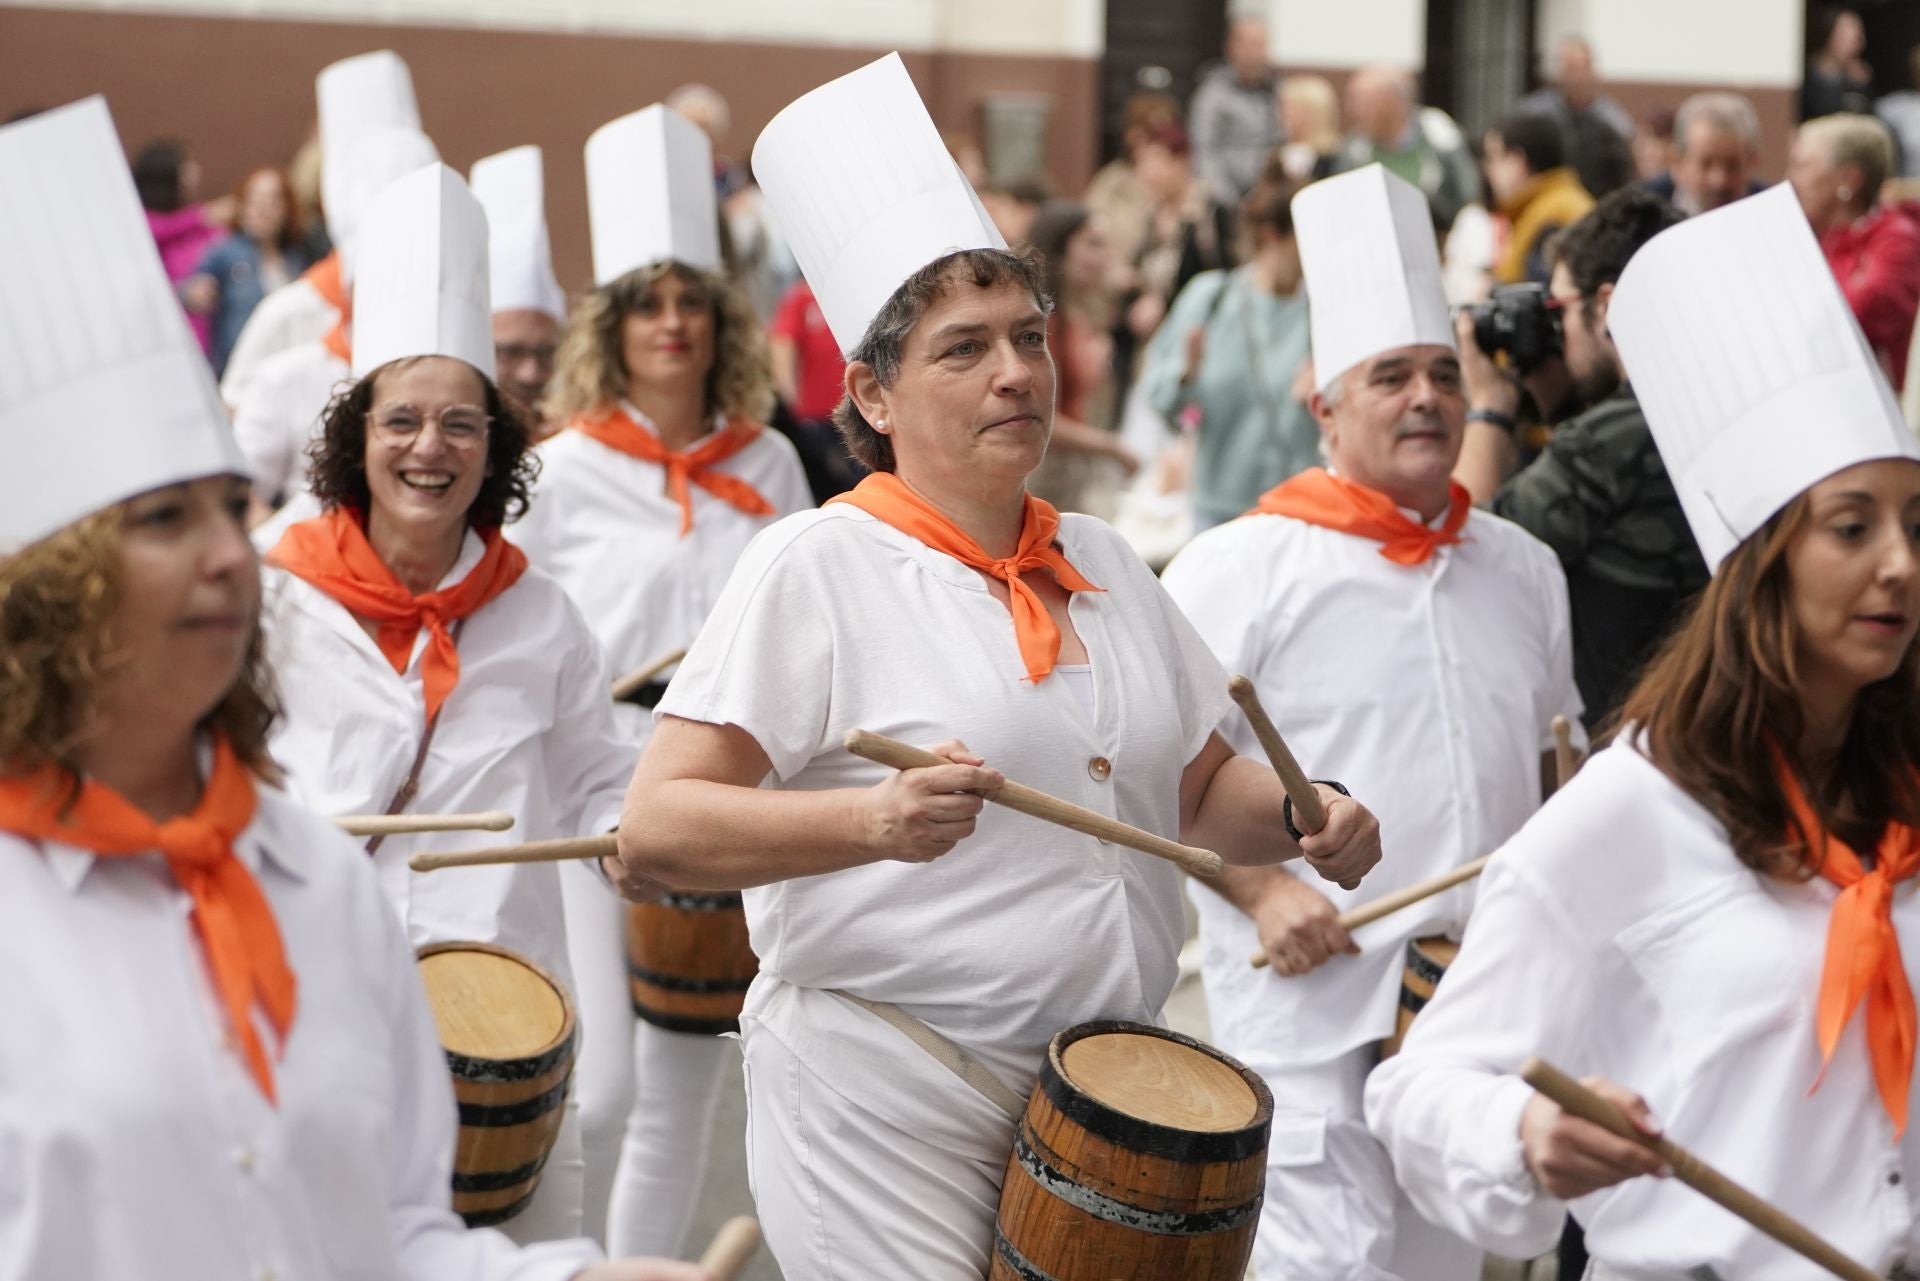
point(189, 603)
point(1816, 180)
point(427, 436)
point(667, 339)
point(263, 208)
point(1851, 573)
point(1088, 260)
point(973, 399)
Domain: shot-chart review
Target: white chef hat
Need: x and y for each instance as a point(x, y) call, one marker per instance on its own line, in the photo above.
point(354, 95)
point(377, 157)
point(1372, 266)
point(424, 288)
point(511, 187)
point(650, 195)
point(104, 394)
point(865, 192)
point(1754, 376)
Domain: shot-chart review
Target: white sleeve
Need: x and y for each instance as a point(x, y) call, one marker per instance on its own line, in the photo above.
point(264, 333)
point(1560, 695)
point(589, 762)
point(791, 493)
point(1447, 1107)
point(260, 428)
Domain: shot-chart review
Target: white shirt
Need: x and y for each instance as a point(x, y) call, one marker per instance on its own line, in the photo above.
point(1428, 690)
point(835, 620)
point(1618, 935)
point(529, 730)
point(281, 411)
point(133, 1143)
point(603, 523)
point(294, 313)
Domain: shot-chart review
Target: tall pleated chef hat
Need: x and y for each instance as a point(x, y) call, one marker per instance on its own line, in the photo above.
point(511, 187)
point(650, 195)
point(104, 394)
point(423, 290)
point(1754, 376)
point(865, 192)
point(1372, 266)
point(355, 96)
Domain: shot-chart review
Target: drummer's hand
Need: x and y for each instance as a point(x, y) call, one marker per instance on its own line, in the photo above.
point(1571, 1157)
point(916, 815)
point(629, 884)
point(1299, 928)
point(1348, 846)
point(642, 1270)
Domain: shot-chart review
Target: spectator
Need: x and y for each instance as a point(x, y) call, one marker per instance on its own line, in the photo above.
point(1233, 116)
point(1189, 232)
point(707, 107)
point(1228, 361)
point(1901, 112)
point(1837, 168)
point(1716, 143)
point(1653, 153)
point(1310, 117)
point(267, 248)
point(1420, 144)
point(1595, 131)
point(1838, 77)
point(1013, 207)
point(809, 374)
point(168, 179)
point(1116, 193)
point(1535, 190)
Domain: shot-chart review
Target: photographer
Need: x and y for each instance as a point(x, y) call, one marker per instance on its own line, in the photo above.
point(1598, 493)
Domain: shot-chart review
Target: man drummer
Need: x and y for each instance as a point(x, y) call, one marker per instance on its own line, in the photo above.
point(1405, 643)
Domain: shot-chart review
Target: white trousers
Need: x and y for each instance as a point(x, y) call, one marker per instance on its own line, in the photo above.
point(647, 1097)
point(554, 1212)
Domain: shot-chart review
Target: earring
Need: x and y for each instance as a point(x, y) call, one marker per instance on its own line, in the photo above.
point(880, 425)
point(1845, 193)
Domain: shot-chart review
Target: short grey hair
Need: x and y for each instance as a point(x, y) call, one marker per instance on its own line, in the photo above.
point(1729, 112)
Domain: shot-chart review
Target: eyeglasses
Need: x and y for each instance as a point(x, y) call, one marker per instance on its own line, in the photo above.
point(459, 424)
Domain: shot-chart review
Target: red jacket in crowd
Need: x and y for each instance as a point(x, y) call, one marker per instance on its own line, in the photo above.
point(1877, 261)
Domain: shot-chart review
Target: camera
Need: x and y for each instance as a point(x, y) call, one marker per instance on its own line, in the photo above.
point(1516, 320)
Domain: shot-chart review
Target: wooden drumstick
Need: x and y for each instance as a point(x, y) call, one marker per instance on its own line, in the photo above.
point(395, 824)
point(732, 1246)
point(1026, 800)
point(1388, 904)
point(1564, 763)
point(640, 677)
point(1582, 1102)
point(573, 847)
point(1309, 815)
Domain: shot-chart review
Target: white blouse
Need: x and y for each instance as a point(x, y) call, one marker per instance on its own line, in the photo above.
point(280, 413)
point(133, 1143)
point(1618, 935)
point(293, 314)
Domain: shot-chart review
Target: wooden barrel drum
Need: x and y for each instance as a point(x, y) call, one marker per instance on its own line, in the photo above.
point(1142, 1153)
point(508, 1030)
point(1427, 962)
point(688, 962)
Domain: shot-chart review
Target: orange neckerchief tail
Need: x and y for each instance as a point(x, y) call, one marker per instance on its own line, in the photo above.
point(1863, 952)
point(886, 496)
point(331, 551)
point(245, 956)
point(616, 429)
point(1319, 497)
point(324, 276)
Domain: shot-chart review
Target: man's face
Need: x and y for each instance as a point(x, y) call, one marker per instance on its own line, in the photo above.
point(1397, 423)
point(1712, 169)
point(1575, 74)
point(1592, 366)
point(523, 348)
point(1247, 49)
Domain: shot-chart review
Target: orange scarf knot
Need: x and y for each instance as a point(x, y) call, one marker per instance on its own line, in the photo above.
point(617, 430)
point(1319, 497)
point(231, 914)
point(886, 496)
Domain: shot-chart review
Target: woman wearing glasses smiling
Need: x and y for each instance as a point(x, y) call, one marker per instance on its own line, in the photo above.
point(424, 666)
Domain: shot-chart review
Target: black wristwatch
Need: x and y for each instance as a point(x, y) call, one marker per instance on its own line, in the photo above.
point(1286, 806)
point(1505, 422)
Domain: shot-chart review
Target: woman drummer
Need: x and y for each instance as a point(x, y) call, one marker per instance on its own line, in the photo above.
point(219, 1060)
point(643, 508)
point(1715, 921)
point(424, 665)
point(940, 603)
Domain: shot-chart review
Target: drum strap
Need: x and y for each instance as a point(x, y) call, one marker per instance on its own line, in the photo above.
point(404, 796)
point(944, 1052)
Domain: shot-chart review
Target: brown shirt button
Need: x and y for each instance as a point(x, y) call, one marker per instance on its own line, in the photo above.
point(1099, 768)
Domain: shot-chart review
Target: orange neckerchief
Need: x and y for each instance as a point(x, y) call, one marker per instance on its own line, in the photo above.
point(331, 551)
point(231, 915)
point(885, 495)
point(1319, 497)
point(324, 276)
point(616, 429)
point(1863, 952)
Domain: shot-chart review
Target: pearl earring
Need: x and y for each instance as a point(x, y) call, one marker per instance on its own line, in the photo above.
point(880, 424)
point(1845, 193)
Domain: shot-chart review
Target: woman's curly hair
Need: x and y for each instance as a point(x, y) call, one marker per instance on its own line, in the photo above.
point(57, 601)
point(589, 372)
point(337, 467)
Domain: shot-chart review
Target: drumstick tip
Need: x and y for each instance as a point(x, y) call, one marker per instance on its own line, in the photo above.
point(1239, 687)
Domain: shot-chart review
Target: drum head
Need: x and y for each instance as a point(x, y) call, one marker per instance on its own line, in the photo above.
point(491, 1005)
point(1161, 1081)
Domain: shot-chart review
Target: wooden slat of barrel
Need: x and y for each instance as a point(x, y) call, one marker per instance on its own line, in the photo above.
point(1142, 1153)
point(689, 963)
point(1427, 962)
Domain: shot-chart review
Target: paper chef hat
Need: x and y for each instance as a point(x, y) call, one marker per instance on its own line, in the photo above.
point(356, 95)
point(1372, 264)
point(1753, 374)
point(104, 394)
point(512, 189)
point(865, 192)
point(379, 156)
point(423, 290)
point(650, 195)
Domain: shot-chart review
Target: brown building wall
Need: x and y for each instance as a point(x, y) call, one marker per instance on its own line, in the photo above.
point(240, 91)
